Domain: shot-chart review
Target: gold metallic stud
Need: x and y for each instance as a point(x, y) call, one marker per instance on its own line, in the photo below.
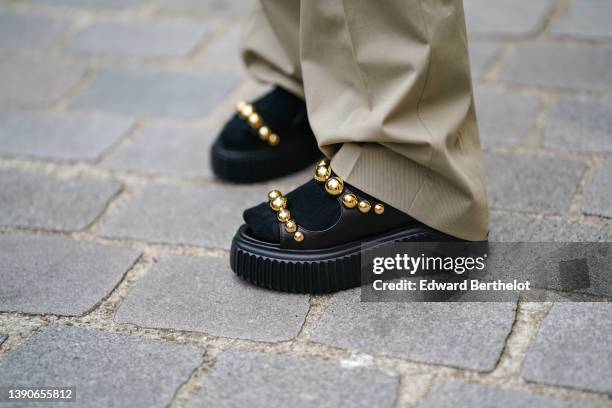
point(273, 139)
point(246, 111)
point(322, 163)
point(264, 133)
point(255, 120)
point(349, 200)
point(364, 206)
point(278, 203)
point(290, 226)
point(379, 208)
point(322, 173)
point(334, 186)
point(283, 215)
point(240, 105)
point(298, 236)
point(273, 194)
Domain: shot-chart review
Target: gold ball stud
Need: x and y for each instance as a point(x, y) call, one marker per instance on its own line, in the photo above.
point(283, 215)
point(273, 194)
point(298, 236)
point(246, 111)
point(264, 133)
point(278, 203)
point(364, 206)
point(322, 163)
point(240, 105)
point(379, 208)
point(334, 186)
point(290, 226)
point(322, 173)
point(273, 139)
point(255, 120)
point(349, 200)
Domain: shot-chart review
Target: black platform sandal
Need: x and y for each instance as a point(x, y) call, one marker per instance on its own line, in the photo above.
point(274, 129)
point(318, 261)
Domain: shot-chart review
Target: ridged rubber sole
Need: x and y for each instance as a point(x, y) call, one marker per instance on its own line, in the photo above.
point(254, 166)
point(309, 271)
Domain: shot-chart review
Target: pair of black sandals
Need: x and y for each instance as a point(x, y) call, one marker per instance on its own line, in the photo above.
point(309, 240)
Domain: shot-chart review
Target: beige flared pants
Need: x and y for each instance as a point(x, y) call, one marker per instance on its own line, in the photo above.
point(389, 96)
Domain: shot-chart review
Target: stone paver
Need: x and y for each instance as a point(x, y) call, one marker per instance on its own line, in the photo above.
point(452, 394)
point(599, 195)
point(253, 379)
point(139, 39)
point(210, 8)
point(155, 93)
point(166, 150)
point(107, 369)
point(206, 216)
point(505, 17)
point(33, 80)
point(518, 228)
point(39, 201)
point(572, 66)
point(482, 55)
point(434, 333)
point(573, 348)
point(504, 118)
point(93, 4)
point(585, 18)
point(2, 338)
point(532, 183)
point(203, 294)
point(56, 275)
point(27, 31)
point(61, 136)
point(580, 124)
point(225, 51)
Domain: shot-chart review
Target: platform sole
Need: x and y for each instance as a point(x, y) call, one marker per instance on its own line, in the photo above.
point(311, 271)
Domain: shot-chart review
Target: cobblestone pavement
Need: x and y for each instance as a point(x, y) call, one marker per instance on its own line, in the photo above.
point(114, 236)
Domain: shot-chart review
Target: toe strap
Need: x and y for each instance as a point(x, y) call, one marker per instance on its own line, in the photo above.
point(247, 112)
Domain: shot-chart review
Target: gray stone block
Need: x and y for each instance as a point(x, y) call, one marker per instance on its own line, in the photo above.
point(91, 4)
point(532, 183)
point(61, 136)
point(504, 117)
point(29, 31)
point(206, 216)
point(139, 39)
point(518, 228)
point(506, 17)
point(435, 333)
point(573, 348)
point(38, 201)
point(166, 150)
point(243, 378)
point(580, 124)
point(156, 93)
point(225, 51)
point(26, 80)
point(482, 55)
point(56, 275)
point(561, 65)
point(598, 200)
point(203, 294)
point(452, 394)
point(208, 8)
point(107, 369)
point(586, 19)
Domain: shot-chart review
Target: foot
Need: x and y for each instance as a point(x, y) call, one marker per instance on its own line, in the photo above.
point(310, 240)
point(264, 140)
